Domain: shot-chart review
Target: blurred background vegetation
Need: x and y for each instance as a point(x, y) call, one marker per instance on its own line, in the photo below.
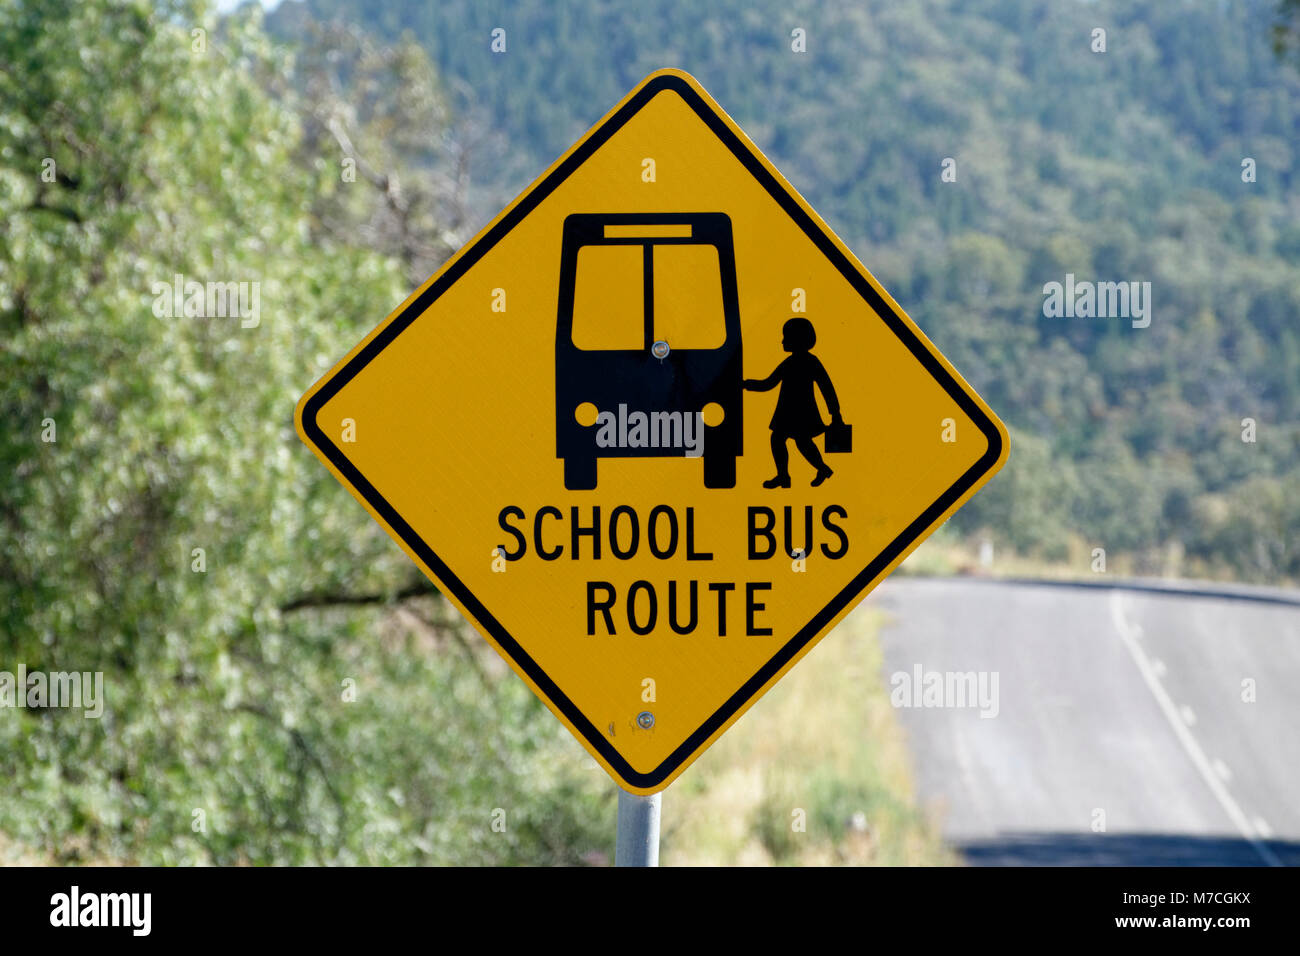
point(218, 155)
point(1125, 165)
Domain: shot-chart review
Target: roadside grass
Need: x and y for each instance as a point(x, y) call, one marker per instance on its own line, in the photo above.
point(823, 747)
point(16, 854)
point(946, 555)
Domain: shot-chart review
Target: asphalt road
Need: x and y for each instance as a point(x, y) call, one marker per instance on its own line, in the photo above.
point(1109, 701)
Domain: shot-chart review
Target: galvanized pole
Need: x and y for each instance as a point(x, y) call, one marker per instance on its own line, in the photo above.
point(638, 829)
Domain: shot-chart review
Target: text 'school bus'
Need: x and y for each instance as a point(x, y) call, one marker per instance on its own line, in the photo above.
point(647, 343)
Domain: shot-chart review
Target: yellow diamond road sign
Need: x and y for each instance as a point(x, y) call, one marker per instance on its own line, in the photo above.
point(654, 431)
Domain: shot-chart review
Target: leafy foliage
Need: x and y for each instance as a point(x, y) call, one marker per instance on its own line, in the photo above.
point(225, 670)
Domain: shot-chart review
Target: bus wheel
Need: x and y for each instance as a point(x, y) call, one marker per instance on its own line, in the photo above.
point(580, 474)
point(720, 471)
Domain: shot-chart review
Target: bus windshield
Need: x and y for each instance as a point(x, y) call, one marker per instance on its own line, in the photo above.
point(686, 296)
point(609, 300)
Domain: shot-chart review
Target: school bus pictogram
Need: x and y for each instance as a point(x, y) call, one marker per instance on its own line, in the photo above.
point(647, 343)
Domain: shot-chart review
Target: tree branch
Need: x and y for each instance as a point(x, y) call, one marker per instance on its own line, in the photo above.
point(319, 599)
point(67, 212)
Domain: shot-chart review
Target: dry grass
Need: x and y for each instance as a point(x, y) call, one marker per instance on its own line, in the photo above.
point(945, 556)
point(15, 854)
point(823, 744)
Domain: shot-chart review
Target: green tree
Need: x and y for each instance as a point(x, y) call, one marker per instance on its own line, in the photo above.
point(159, 520)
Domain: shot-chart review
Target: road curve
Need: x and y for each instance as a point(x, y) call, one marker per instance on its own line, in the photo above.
point(1131, 726)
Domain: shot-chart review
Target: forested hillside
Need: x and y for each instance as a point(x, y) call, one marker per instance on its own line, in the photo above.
point(1123, 165)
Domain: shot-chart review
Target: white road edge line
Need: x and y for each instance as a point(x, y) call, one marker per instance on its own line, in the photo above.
point(1170, 710)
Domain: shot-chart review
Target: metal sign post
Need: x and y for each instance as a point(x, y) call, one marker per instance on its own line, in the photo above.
point(638, 829)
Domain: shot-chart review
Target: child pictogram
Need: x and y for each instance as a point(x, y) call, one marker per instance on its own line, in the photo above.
point(797, 416)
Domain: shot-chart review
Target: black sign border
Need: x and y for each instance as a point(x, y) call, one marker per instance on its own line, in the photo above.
point(597, 138)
